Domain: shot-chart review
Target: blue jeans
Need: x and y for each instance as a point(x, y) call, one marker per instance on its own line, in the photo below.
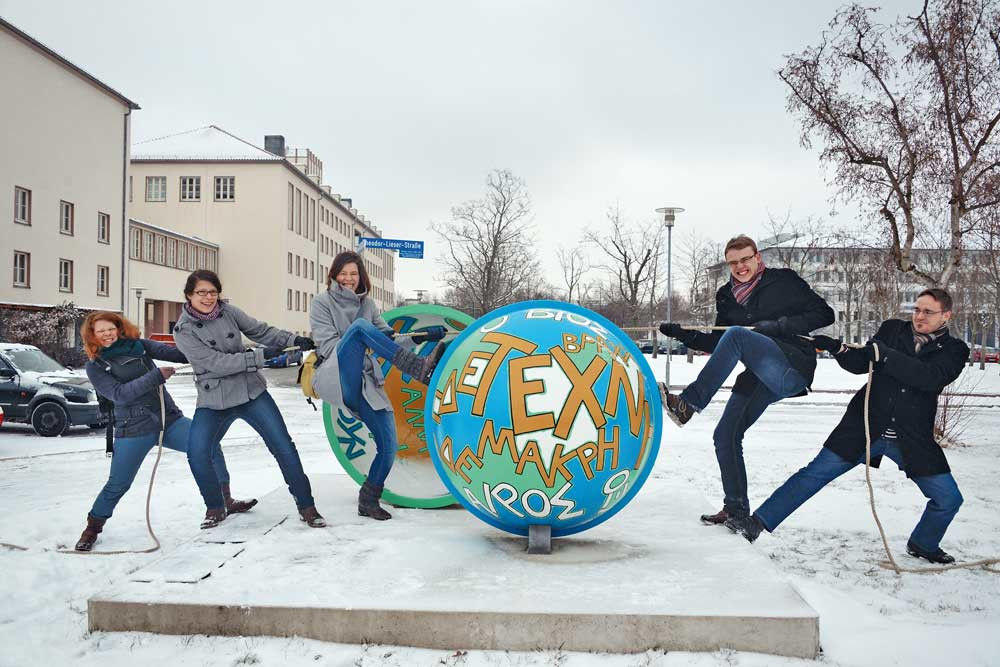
point(762, 356)
point(351, 351)
point(941, 491)
point(128, 457)
point(263, 415)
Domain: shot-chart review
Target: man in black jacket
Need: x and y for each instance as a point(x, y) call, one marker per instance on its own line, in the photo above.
point(913, 363)
point(767, 312)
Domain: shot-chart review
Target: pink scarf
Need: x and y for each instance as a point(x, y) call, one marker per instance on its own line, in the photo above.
point(742, 290)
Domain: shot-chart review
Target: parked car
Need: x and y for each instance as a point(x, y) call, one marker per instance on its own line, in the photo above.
point(646, 347)
point(285, 359)
point(36, 389)
point(991, 354)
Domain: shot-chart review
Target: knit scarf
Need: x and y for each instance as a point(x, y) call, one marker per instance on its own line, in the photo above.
point(204, 317)
point(742, 290)
point(921, 339)
point(123, 347)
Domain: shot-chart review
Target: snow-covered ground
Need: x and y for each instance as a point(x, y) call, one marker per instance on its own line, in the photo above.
point(828, 550)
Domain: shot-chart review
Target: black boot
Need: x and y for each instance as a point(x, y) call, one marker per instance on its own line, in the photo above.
point(213, 518)
point(368, 502)
point(419, 368)
point(939, 555)
point(234, 506)
point(90, 533)
point(677, 408)
point(749, 527)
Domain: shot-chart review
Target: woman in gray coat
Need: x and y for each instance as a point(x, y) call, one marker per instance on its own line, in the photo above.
point(230, 387)
point(349, 332)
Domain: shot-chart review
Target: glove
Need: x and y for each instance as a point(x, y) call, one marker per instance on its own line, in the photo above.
point(831, 345)
point(304, 343)
point(432, 334)
point(767, 327)
point(870, 352)
point(672, 329)
point(272, 352)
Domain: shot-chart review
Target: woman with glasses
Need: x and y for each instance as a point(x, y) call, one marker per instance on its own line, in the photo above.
point(766, 312)
point(349, 333)
point(230, 387)
point(122, 371)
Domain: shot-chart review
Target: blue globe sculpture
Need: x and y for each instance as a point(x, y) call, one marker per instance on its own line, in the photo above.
point(543, 413)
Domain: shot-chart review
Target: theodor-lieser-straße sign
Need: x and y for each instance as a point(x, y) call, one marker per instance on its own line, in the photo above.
point(407, 249)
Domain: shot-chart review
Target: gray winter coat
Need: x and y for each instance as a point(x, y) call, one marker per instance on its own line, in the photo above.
point(225, 372)
point(333, 311)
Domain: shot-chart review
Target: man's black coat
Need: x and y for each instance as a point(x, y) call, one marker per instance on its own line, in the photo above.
point(780, 295)
point(905, 389)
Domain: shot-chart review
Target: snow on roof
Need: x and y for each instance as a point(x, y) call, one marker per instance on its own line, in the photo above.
point(203, 143)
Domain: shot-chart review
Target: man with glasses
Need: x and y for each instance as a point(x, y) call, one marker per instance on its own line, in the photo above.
point(767, 311)
point(913, 363)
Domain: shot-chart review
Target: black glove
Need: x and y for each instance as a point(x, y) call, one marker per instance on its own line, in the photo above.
point(831, 345)
point(672, 329)
point(767, 327)
point(272, 352)
point(432, 334)
point(304, 343)
point(870, 352)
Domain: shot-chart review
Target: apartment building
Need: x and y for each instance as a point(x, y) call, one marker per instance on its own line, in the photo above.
point(65, 138)
point(275, 225)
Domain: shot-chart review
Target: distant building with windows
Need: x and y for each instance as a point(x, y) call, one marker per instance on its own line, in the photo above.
point(65, 138)
point(273, 224)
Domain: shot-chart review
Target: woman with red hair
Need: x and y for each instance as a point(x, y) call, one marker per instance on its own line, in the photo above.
point(122, 371)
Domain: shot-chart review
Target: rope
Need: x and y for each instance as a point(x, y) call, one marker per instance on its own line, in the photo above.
point(697, 327)
point(149, 497)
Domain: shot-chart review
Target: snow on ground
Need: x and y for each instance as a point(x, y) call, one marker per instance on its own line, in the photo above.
point(828, 550)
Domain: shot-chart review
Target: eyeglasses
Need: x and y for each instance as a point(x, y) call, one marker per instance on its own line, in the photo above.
point(207, 292)
point(741, 260)
point(925, 312)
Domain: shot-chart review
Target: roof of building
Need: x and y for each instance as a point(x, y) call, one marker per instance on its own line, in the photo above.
point(171, 232)
point(87, 76)
point(204, 143)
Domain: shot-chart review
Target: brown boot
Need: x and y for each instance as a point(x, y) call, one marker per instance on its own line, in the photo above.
point(368, 502)
point(234, 506)
point(312, 517)
point(213, 518)
point(716, 519)
point(89, 535)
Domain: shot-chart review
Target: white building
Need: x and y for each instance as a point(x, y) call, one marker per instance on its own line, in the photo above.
point(65, 138)
point(274, 225)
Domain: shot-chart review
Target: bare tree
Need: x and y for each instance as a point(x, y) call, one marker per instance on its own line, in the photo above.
point(490, 246)
point(630, 254)
point(794, 241)
point(906, 114)
point(573, 264)
point(697, 254)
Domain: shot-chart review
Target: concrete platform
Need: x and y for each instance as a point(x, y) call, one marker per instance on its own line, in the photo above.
point(652, 577)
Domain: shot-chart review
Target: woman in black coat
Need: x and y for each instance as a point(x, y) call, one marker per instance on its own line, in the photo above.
point(122, 371)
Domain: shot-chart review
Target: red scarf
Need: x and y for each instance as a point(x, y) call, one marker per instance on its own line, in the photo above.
point(742, 290)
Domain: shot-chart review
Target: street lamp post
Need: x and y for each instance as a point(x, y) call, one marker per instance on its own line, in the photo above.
point(138, 307)
point(669, 213)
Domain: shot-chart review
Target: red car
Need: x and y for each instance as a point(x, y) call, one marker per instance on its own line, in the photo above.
point(991, 354)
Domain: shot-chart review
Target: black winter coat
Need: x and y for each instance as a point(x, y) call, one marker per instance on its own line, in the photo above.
point(904, 395)
point(131, 383)
point(780, 295)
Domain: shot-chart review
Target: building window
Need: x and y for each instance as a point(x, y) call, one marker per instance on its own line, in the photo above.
point(298, 211)
point(156, 188)
point(298, 265)
point(103, 274)
point(103, 228)
point(190, 188)
point(192, 257)
point(22, 269)
point(312, 270)
point(161, 250)
point(291, 207)
point(22, 206)
point(171, 252)
point(65, 218)
point(147, 246)
point(182, 255)
point(211, 260)
point(136, 244)
point(201, 259)
point(225, 188)
point(130, 187)
point(289, 263)
point(65, 275)
point(312, 219)
point(297, 304)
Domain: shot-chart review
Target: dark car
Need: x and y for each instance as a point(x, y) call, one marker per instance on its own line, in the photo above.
point(285, 359)
point(36, 389)
point(989, 356)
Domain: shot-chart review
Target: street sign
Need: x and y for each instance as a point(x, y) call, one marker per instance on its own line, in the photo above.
point(406, 249)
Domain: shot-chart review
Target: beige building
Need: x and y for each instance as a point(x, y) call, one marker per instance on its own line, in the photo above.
point(273, 223)
point(65, 138)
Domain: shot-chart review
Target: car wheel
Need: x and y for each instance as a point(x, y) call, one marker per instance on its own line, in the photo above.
point(49, 419)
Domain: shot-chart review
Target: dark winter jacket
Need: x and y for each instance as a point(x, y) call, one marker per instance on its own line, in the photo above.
point(780, 295)
point(131, 383)
point(905, 389)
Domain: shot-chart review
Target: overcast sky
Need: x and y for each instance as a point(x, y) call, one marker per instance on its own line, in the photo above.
point(410, 104)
